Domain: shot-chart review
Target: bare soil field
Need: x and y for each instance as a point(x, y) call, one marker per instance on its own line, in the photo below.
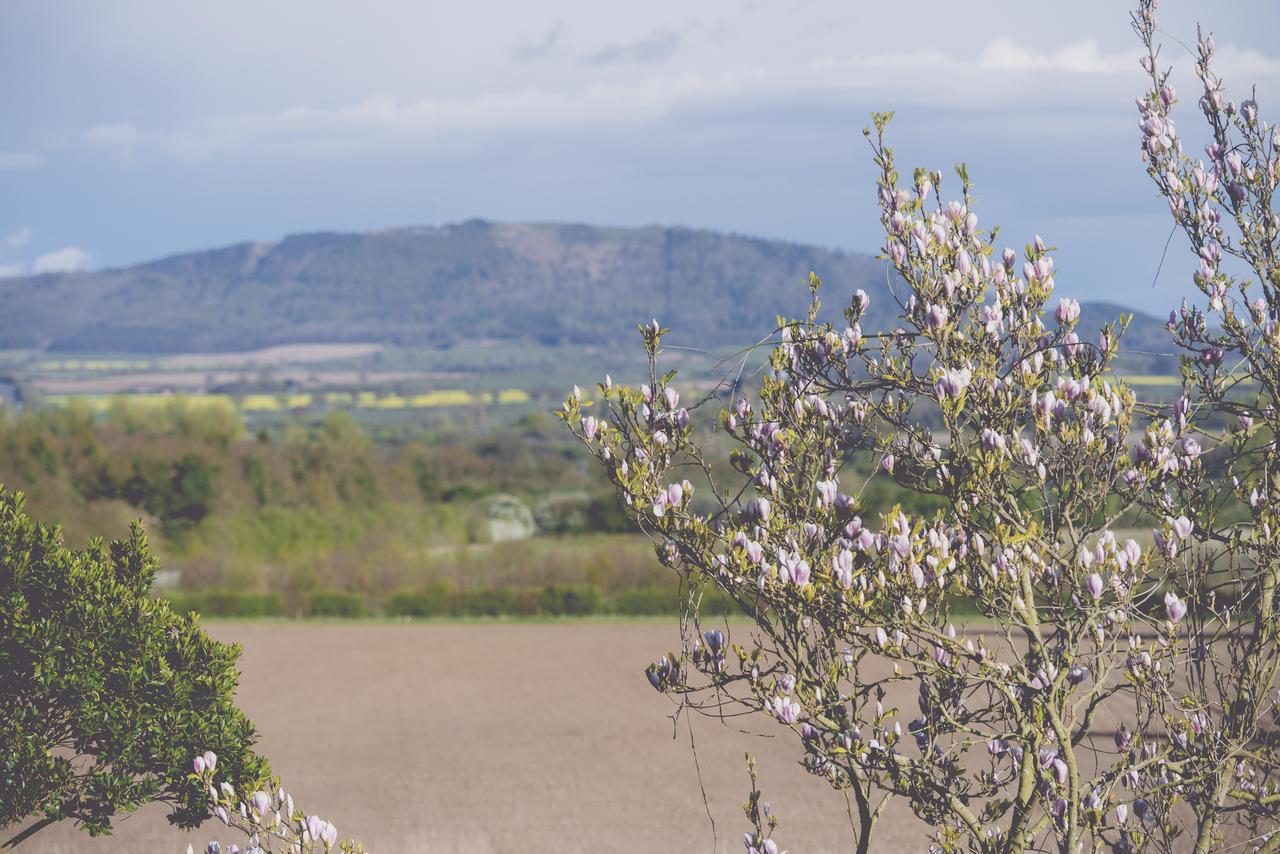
point(515, 737)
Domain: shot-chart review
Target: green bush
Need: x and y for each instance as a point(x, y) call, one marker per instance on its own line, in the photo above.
point(107, 693)
point(570, 599)
point(492, 602)
point(647, 601)
point(331, 603)
point(227, 603)
point(434, 600)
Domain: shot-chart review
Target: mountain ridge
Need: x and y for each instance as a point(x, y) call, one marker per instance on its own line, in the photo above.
point(434, 286)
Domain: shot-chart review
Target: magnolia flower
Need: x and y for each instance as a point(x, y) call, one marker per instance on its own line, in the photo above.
point(761, 508)
point(1094, 584)
point(785, 710)
point(842, 568)
point(953, 382)
point(1068, 311)
point(797, 571)
point(714, 639)
point(1174, 607)
point(1181, 527)
point(589, 426)
point(826, 493)
point(936, 316)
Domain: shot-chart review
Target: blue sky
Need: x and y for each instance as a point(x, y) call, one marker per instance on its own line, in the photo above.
point(139, 129)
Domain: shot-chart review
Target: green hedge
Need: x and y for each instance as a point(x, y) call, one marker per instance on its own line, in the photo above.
point(330, 603)
point(227, 603)
point(439, 599)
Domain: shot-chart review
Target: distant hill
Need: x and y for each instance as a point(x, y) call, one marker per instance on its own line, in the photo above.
point(549, 284)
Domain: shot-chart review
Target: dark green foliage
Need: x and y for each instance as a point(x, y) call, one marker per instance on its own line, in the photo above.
point(227, 603)
point(435, 600)
point(330, 603)
point(570, 599)
point(493, 602)
point(648, 602)
point(107, 693)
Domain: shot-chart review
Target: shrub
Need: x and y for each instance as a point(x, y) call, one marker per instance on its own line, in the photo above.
point(648, 601)
point(434, 600)
point(227, 603)
point(493, 602)
point(107, 693)
point(570, 599)
point(329, 603)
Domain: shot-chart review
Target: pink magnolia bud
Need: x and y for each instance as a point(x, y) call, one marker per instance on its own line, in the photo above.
point(1094, 583)
point(762, 508)
point(1174, 607)
point(210, 760)
point(197, 765)
point(1068, 311)
point(936, 316)
point(589, 427)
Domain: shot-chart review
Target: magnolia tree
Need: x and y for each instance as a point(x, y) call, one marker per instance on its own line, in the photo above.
point(1225, 203)
point(267, 818)
point(1104, 696)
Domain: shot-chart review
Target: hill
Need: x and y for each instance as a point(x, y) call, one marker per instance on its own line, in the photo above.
point(547, 284)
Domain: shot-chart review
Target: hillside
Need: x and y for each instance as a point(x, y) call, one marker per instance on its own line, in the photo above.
point(548, 284)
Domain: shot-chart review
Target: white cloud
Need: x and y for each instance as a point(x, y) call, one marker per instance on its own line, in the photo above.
point(65, 260)
point(8, 271)
point(14, 160)
point(1076, 76)
point(15, 240)
point(120, 135)
point(1083, 57)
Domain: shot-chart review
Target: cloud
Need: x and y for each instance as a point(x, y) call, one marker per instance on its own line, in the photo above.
point(1080, 58)
point(65, 260)
point(8, 271)
point(544, 46)
point(1077, 77)
point(15, 240)
point(14, 160)
point(659, 44)
point(118, 139)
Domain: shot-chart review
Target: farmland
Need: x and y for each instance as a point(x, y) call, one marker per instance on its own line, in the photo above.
point(496, 738)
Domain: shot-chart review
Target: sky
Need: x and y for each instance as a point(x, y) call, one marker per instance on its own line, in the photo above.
point(135, 130)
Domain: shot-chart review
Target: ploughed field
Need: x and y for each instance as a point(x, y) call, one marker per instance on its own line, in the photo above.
point(502, 737)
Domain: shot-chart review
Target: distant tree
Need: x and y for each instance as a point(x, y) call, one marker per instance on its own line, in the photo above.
point(105, 692)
